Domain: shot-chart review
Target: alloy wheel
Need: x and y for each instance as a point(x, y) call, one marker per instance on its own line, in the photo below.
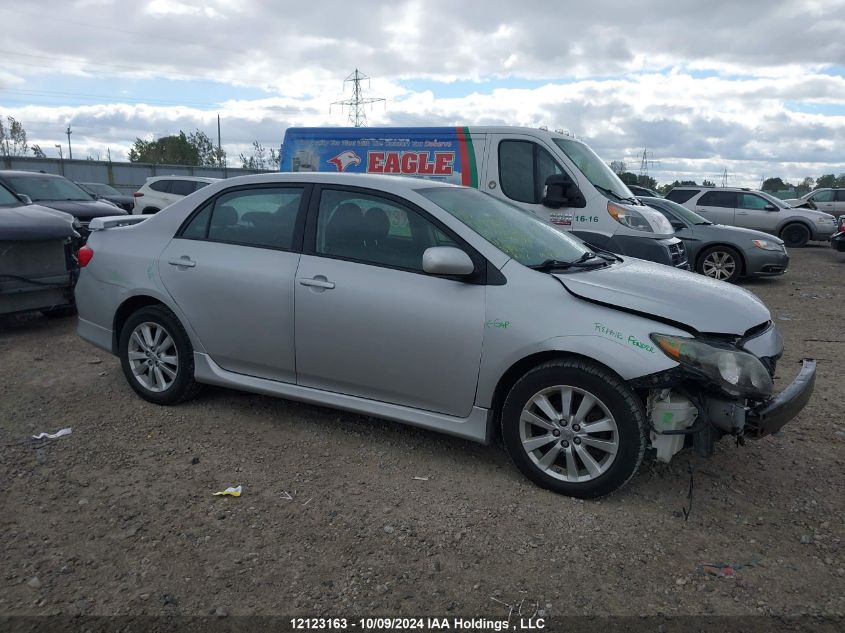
point(153, 357)
point(569, 433)
point(719, 265)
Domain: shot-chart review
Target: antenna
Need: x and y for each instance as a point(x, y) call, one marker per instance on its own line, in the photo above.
point(357, 116)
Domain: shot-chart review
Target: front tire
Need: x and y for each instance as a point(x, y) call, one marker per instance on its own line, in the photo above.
point(157, 357)
point(575, 428)
point(720, 262)
point(795, 235)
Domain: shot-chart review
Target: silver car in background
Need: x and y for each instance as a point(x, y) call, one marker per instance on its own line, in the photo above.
point(733, 206)
point(439, 306)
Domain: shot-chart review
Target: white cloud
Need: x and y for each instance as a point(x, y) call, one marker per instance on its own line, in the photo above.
point(751, 87)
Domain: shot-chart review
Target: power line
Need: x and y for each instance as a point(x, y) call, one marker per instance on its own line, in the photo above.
point(357, 116)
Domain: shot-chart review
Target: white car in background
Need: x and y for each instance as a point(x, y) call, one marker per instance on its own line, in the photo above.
point(828, 200)
point(161, 191)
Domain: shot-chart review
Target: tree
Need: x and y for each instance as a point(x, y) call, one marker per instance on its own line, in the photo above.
point(828, 180)
point(618, 167)
point(13, 138)
point(177, 149)
point(628, 178)
point(646, 181)
point(260, 158)
point(805, 185)
point(37, 151)
point(775, 184)
point(707, 183)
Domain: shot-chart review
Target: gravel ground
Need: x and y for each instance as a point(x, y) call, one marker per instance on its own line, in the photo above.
point(119, 519)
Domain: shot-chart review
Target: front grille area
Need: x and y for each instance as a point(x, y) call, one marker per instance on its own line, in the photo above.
point(678, 253)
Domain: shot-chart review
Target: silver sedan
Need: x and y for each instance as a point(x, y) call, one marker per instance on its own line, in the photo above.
point(438, 306)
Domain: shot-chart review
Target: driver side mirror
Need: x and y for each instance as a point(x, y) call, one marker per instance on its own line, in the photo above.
point(560, 191)
point(678, 226)
point(770, 207)
point(24, 198)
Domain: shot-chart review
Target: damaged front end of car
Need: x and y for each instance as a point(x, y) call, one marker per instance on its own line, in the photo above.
point(721, 386)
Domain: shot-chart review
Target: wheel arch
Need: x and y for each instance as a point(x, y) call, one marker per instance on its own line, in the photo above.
point(704, 249)
point(126, 309)
point(518, 369)
point(795, 220)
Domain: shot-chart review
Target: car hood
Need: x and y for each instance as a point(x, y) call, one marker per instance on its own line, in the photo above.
point(32, 222)
point(737, 233)
point(703, 304)
point(83, 209)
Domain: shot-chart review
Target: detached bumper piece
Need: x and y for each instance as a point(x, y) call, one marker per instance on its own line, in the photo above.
point(771, 416)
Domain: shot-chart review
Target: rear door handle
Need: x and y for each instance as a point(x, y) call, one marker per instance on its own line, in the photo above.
point(742, 212)
point(317, 282)
point(185, 261)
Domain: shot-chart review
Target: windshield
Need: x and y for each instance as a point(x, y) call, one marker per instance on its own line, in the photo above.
point(48, 189)
point(677, 209)
point(100, 189)
point(515, 232)
point(7, 197)
point(599, 174)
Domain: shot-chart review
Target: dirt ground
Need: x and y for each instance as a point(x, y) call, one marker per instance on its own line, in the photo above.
point(118, 518)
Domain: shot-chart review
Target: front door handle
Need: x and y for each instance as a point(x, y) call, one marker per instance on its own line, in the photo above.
point(183, 261)
point(317, 282)
point(742, 212)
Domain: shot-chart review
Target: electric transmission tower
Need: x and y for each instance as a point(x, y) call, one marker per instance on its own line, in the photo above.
point(645, 161)
point(725, 178)
point(357, 116)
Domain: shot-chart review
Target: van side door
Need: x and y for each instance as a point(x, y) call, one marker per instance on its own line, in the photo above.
point(517, 168)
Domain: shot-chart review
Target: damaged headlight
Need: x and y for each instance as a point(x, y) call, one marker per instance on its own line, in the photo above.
point(737, 373)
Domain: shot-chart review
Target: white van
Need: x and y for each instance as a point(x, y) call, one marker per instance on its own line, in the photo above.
point(556, 177)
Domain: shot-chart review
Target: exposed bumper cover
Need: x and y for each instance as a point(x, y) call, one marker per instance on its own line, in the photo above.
point(771, 416)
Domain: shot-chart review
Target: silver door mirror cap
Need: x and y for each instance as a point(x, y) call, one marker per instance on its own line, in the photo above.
point(447, 260)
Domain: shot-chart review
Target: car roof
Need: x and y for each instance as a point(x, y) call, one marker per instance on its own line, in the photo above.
point(178, 177)
point(377, 181)
point(28, 174)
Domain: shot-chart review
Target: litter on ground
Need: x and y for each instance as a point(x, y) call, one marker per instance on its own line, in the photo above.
point(53, 436)
point(231, 491)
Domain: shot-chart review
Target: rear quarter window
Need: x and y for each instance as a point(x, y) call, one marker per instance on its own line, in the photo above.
point(681, 195)
point(160, 185)
point(725, 199)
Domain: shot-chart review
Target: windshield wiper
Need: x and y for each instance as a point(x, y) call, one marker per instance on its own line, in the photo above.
point(607, 191)
point(606, 254)
point(587, 260)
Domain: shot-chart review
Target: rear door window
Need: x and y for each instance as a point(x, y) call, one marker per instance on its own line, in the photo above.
point(725, 199)
point(182, 187)
point(840, 195)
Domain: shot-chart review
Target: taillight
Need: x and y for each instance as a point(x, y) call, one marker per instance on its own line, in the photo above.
point(84, 255)
point(138, 194)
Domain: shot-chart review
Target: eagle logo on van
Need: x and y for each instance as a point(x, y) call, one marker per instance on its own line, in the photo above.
point(343, 160)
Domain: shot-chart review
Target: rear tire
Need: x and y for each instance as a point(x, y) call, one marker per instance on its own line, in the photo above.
point(795, 235)
point(586, 444)
point(722, 263)
point(157, 357)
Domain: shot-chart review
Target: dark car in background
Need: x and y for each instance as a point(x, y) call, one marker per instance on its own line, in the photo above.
point(643, 191)
point(57, 192)
point(38, 267)
point(722, 252)
point(102, 191)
